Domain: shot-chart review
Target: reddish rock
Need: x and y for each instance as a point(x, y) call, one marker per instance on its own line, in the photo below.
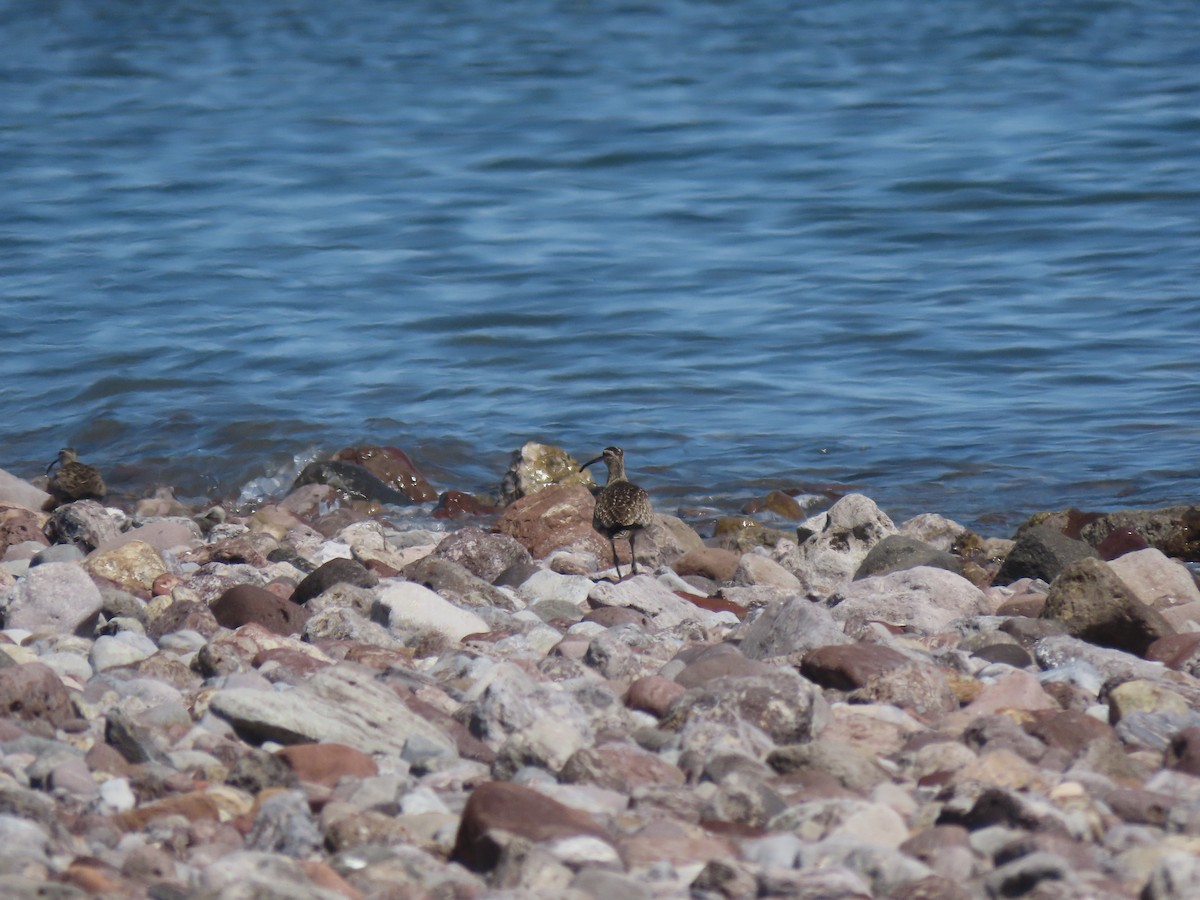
point(458, 505)
point(713, 604)
point(498, 811)
point(195, 806)
point(164, 584)
point(18, 524)
point(556, 517)
point(294, 665)
point(32, 693)
point(845, 667)
point(1174, 650)
point(619, 767)
point(1119, 542)
point(1184, 752)
point(1068, 730)
point(653, 694)
point(324, 764)
point(337, 571)
point(246, 603)
point(392, 466)
point(711, 562)
point(777, 502)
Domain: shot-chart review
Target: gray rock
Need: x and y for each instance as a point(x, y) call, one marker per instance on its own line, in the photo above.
point(834, 544)
point(897, 552)
point(1174, 877)
point(923, 598)
point(85, 522)
point(68, 553)
point(644, 593)
point(793, 626)
point(1041, 552)
point(57, 597)
point(454, 581)
point(1096, 606)
point(251, 875)
point(754, 568)
point(884, 868)
point(285, 824)
point(483, 554)
point(933, 529)
point(339, 704)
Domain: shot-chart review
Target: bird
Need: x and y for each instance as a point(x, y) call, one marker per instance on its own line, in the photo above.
point(622, 508)
point(74, 480)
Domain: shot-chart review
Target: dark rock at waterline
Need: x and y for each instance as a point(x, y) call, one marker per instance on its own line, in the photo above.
point(1119, 542)
point(1095, 605)
point(899, 551)
point(1175, 530)
point(1041, 552)
point(458, 505)
point(392, 466)
point(353, 481)
point(337, 571)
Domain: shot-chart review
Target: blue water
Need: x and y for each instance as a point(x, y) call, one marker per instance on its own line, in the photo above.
point(946, 254)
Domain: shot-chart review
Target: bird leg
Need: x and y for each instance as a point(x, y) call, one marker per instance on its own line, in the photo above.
point(632, 552)
point(616, 562)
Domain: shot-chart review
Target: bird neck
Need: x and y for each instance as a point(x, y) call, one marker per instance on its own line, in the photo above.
point(616, 472)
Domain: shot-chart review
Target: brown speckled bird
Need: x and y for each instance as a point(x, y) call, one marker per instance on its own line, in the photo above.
point(622, 508)
point(74, 480)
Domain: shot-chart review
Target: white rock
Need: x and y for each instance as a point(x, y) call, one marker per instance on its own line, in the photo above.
point(57, 596)
point(122, 649)
point(841, 539)
point(1156, 579)
point(547, 585)
point(644, 593)
point(924, 598)
point(410, 607)
point(117, 795)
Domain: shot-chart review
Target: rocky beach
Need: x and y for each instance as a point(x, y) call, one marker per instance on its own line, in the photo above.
point(327, 696)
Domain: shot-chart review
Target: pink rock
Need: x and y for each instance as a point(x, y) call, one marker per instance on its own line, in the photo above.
point(325, 763)
point(705, 664)
point(18, 525)
point(33, 694)
point(619, 767)
point(653, 694)
point(711, 562)
point(1017, 690)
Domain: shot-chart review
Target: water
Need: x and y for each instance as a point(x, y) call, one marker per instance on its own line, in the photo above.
point(945, 256)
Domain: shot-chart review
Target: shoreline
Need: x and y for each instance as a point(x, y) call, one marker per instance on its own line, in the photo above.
point(326, 698)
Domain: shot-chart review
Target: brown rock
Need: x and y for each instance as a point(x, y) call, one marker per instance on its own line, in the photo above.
point(1068, 730)
point(711, 562)
point(1183, 754)
point(194, 806)
point(1175, 530)
point(619, 767)
point(32, 693)
point(458, 505)
point(337, 571)
point(392, 466)
point(18, 524)
point(783, 505)
point(1096, 606)
point(1119, 542)
point(231, 551)
point(845, 667)
point(653, 694)
point(556, 517)
point(706, 663)
point(498, 811)
point(1140, 807)
point(1175, 651)
point(326, 763)
point(180, 615)
point(246, 603)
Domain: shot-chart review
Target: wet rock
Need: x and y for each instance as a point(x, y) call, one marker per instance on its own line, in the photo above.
point(1096, 606)
point(392, 466)
point(537, 466)
point(245, 603)
point(897, 552)
point(460, 505)
point(351, 481)
point(1175, 530)
point(1041, 552)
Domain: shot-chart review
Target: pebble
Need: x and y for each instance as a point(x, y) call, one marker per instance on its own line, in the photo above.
point(487, 713)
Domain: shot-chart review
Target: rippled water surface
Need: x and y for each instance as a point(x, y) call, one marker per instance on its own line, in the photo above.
point(944, 254)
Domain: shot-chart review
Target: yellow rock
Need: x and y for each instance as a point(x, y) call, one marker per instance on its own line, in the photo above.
point(1141, 695)
point(133, 566)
